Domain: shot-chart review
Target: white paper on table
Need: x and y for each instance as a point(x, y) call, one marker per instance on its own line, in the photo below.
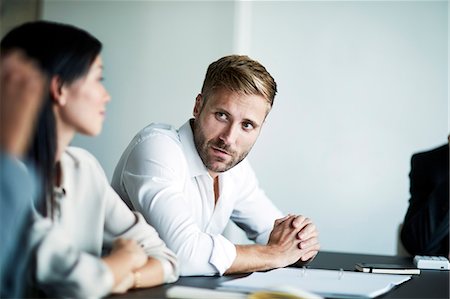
point(327, 283)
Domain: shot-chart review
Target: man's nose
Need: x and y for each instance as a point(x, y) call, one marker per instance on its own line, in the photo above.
point(230, 134)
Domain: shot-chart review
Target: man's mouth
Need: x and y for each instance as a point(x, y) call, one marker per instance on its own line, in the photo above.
point(218, 149)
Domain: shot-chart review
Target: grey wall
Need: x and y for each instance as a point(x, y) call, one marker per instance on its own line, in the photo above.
point(13, 13)
point(362, 86)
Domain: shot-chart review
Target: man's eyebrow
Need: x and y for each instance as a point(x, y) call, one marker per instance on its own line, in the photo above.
point(222, 110)
point(252, 122)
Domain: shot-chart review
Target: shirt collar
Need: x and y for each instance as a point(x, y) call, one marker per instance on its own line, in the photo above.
point(195, 163)
point(68, 161)
point(69, 157)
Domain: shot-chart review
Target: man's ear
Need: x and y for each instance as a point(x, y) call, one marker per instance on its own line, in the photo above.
point(57, 91)
point(198, 105)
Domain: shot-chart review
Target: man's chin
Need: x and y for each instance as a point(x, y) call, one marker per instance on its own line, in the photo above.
point(219, 168)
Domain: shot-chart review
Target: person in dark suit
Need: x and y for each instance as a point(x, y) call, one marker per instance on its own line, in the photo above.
point(426, 225)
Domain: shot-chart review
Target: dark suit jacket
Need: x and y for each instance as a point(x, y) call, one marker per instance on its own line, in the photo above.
point(426, 226)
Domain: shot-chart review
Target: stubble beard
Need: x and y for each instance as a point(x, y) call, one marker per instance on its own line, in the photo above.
point(203, 146)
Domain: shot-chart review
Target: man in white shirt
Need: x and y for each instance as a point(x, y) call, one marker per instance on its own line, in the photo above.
point(188, 183)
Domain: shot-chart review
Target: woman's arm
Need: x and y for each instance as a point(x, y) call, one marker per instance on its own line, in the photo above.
point(161, 264)
point(131, 267)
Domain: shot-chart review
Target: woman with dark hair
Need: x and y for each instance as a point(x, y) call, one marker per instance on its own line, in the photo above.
point(85, 213)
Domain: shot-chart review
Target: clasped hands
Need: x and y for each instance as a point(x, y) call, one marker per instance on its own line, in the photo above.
point(294, 238)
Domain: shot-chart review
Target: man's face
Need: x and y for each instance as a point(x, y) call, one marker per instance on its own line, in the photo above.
point(226, 127)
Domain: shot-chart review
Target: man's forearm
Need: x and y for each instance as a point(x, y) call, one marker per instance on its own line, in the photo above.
point(250, 258)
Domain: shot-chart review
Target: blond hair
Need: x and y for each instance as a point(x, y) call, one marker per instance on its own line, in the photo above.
point(239, 73)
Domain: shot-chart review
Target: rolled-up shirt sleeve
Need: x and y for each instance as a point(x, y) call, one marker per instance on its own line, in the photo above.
point(223, 255)
point(155, 184)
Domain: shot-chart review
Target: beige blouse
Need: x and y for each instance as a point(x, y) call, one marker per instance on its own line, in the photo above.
point(89, 217)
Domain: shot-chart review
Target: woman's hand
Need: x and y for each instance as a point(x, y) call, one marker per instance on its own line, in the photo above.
point(126, 256)
point(132, 249)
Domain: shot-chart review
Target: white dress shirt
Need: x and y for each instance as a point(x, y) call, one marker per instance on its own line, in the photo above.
point(161, 175)
point(90, 215)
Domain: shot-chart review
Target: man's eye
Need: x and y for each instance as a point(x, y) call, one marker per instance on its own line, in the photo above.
point(221, 116)
point(248, 126)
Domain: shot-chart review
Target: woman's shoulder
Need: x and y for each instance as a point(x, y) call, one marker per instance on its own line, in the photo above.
point(78, 153)
point(81, 158)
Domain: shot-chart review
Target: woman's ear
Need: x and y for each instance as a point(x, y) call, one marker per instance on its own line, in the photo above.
point(57, 91)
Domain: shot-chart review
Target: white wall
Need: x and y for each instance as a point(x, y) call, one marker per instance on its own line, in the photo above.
point(362, 86)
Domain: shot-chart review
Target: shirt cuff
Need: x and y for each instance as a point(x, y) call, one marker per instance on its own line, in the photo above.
point(168, 269)
point(107, 278)
point(223, 253)
point(263, 238)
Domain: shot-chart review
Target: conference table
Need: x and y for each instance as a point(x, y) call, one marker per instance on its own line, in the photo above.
point(429, 284)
